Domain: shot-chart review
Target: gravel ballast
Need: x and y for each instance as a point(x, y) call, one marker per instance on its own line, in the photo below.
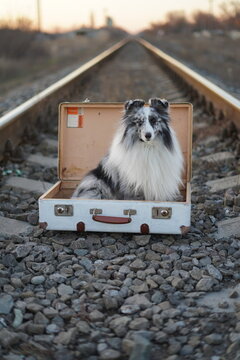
point(66, 295)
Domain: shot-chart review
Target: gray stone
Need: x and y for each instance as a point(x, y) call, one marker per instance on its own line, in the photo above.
point(110, 354)
point(6, 304)
point(14, 227)
point(22, 251)
point(66, 337)
point(80, 243)
point(37, 280)
point(33, 218)
point(229, 227)
point(174, 347)
point(127, 345)
point(224, 183)
point(9, 260)
point(105, 254)
point(139, 300)
point(35, 329)
point(170, 328)
point(209, 140)
point(18, 318)
point(237, 200)
point(214, 339)
point(96, 315)
point(86, 350)
point(177, 282)
point(219, 156)
point(141, 349)
point(41, 160)
point(87, 264)
point(41, 319)
point(110, 303)
point(50, 144)
point(139, 324)
point(53, 329)
point(137, 264)
point(214, 272)
point(8, 338)
point(141, 240)
point(34, 307)
point(151, 255)
point(159, 247)
point(196, 273)
point(129, 309)
point(157, 297)
point(233, 337)
point(119, 325)
point(83, 327)
point(161, 337)
point(58, 278)
point(12, 356)
point(17, 283)
point(204, 261)
point(233, 349)
point(50, 312)
point(65, 290)
point(46, 339)
point(186, 350)
point(35, 186)
point(205, 284)
point(143, 288)
point(157, 320)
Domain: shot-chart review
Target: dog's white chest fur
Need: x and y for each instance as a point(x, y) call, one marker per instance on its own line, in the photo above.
point(148, 167)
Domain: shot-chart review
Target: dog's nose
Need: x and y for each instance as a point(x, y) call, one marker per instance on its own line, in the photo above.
point(148, 136)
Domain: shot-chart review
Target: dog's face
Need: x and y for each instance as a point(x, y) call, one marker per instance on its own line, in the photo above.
point(148, 123)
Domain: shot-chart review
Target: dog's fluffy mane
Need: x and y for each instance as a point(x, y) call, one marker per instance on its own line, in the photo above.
point(144, 161)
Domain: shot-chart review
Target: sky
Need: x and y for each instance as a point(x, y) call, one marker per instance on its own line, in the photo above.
point(133, 15)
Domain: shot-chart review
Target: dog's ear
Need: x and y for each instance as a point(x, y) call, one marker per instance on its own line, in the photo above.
point(134, 104)
point(159, 104)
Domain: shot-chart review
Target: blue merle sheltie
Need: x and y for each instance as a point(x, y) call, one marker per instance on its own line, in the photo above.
point(144, 162)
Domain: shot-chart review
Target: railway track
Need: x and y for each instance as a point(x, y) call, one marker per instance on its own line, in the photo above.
point(120, 296)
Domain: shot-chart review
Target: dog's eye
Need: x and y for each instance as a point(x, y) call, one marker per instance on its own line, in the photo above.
point(152, 120)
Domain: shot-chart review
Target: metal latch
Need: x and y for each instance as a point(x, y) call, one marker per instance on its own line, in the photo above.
point(63, 210)
point(161, 212)
point(129, 212)
point(95, 211)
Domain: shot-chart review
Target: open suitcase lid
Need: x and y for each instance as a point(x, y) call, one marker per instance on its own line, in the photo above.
point(86, 131)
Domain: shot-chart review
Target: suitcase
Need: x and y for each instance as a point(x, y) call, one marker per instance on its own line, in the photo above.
point(85, 134)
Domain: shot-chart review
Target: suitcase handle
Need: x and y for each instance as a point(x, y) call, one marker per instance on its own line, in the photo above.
point(111, 219)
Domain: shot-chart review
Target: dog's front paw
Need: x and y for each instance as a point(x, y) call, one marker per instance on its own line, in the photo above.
point(158, 103)
point(134, 104)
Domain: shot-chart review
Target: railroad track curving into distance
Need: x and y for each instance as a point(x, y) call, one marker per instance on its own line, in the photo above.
point(119, 296)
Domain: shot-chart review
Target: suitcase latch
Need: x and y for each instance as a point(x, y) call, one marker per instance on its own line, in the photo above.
point(161, 212)
point(95, 211)
point(129, 212)
point(63, 210)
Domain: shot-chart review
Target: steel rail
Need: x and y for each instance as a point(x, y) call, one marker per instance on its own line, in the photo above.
point(13, 123)
point(222, 101)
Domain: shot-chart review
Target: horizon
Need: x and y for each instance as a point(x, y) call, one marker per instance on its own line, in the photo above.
point(65, 15)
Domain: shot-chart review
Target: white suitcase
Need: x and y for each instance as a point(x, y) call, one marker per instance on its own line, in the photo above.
point(85, 134)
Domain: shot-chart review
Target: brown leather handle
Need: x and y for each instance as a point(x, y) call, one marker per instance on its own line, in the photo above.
point(112, 219)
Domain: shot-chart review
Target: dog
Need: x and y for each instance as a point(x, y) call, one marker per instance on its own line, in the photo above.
point(144, 162)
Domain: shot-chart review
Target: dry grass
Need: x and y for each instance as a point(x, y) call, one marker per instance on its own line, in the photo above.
point(26, 56)
point(215, 56)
